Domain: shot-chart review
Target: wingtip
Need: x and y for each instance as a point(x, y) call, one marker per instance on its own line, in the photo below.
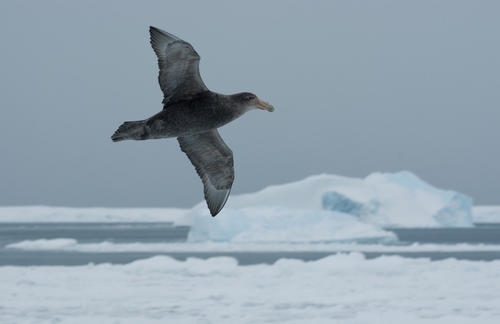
point(216, 207)
point(156, 32)
point(153, 30)
point(214, 211)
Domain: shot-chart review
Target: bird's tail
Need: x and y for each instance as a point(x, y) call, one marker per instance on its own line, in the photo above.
point(131, 130)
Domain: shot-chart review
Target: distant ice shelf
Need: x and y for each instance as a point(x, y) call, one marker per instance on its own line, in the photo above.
point(487, 214)
point(51, 214)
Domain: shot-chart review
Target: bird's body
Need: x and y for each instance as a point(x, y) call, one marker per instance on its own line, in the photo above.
point(192, 113)
point(199, 113)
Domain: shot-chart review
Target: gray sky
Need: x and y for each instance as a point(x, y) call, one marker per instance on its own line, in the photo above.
point(358, 86)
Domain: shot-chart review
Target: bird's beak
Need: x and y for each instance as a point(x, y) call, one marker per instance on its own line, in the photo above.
point(264, 105)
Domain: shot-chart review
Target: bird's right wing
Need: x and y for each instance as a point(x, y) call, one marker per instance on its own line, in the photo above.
point(178, 63)
point(213, 161)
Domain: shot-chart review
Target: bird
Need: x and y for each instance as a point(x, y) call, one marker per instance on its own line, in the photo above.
point(192, 113)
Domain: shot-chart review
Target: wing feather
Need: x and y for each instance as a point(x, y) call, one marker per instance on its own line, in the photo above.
point(179, 65)
point(213, 161)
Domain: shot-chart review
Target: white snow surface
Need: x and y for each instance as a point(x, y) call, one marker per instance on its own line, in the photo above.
point(343, 288)
point(49, 214)
point(72, 245)
point(486, 214)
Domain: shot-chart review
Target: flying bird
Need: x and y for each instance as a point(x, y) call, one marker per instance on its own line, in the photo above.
point(192, 113)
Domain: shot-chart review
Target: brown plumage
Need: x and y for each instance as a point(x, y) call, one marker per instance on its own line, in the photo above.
point(192, 113)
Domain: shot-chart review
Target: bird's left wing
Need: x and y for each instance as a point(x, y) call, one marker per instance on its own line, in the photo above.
point(213, 161)
point(179, 65)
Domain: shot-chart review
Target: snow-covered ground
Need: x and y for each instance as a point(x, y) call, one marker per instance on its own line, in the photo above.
point(337, 289)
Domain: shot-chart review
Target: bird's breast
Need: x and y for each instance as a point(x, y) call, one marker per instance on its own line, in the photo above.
point(190, 118)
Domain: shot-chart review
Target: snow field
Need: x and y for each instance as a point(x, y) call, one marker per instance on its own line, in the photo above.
point(343, 288)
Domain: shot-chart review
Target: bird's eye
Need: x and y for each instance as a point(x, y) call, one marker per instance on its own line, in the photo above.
point(250, 98)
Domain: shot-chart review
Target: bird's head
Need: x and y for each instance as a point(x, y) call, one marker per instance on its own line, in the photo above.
point(251, 101)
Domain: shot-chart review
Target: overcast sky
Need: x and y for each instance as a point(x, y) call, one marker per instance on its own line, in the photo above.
point(358, 86)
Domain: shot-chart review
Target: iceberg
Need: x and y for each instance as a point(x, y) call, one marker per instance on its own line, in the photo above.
point(337, 202)
point(405, 200)
point(333, 208)
point(282, 224)
point(320, 208)
point(457, 213)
